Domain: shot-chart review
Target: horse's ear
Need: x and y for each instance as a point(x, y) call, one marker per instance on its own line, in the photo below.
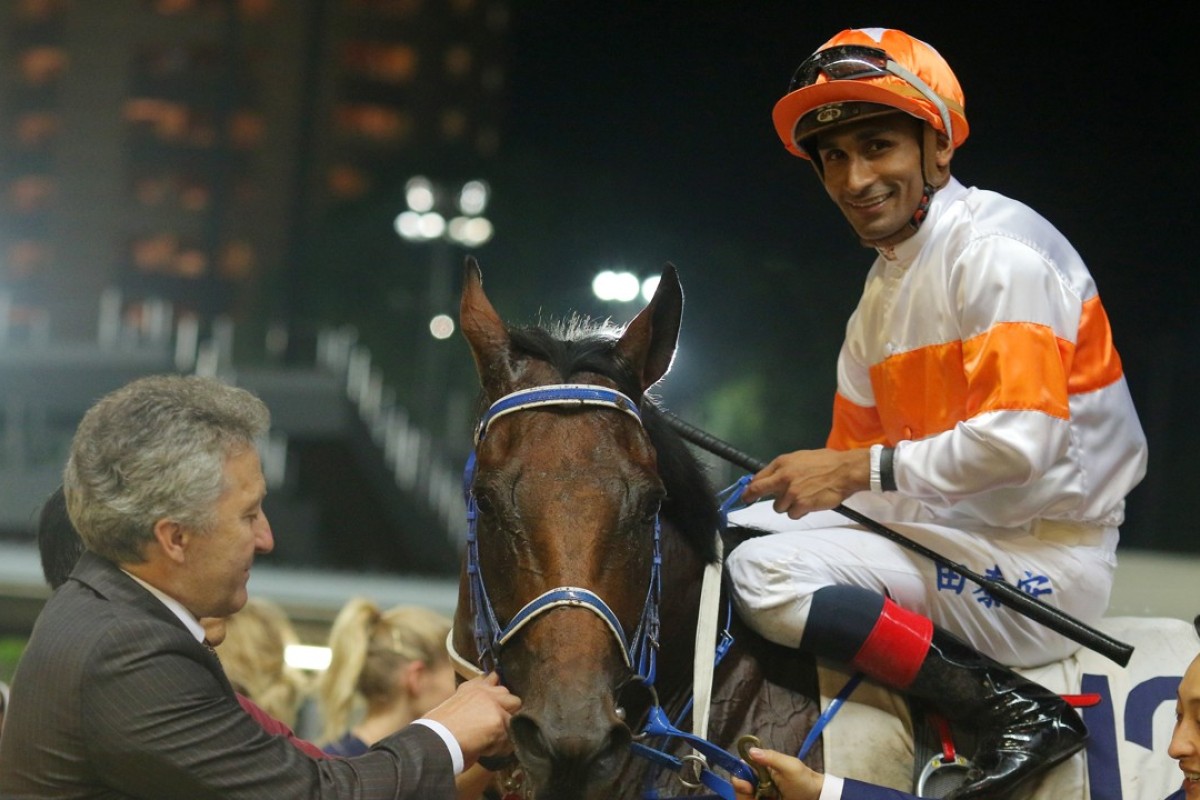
point(484, 331)
point(649, 341)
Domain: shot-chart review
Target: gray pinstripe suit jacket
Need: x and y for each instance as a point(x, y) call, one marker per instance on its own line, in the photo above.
point(114, 698)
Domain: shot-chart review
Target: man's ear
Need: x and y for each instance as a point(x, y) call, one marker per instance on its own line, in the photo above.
point(939, 150)
point(943, 150)
point(172, 539)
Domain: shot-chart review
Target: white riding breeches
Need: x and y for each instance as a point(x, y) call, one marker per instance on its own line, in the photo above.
point(1066, 565)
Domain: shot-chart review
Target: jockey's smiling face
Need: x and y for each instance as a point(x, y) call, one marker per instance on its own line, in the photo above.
point(1185, 742)
point(876, 171)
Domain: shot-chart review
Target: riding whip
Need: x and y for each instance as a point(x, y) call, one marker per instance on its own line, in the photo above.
point(1004, 593)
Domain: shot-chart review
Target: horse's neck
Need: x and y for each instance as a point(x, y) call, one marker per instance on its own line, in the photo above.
point(679, 611)
point(758, 687)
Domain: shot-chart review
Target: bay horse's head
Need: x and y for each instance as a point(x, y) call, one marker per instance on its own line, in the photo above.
point(560, 586)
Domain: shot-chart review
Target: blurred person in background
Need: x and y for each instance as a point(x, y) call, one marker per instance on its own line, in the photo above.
point(252, 653)
point(59, 545)
point(387, 668)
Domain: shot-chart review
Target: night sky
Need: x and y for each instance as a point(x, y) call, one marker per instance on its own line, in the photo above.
point(640, 133)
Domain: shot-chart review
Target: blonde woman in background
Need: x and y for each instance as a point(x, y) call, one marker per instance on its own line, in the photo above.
point(388, 668)
point(253, 657)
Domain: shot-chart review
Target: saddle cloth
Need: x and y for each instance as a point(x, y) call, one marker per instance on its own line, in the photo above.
point(870, 737)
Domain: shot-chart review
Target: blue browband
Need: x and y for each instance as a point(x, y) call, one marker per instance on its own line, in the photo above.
point(559, 394)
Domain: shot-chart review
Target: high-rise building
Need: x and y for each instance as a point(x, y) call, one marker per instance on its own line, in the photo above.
point(173, 154)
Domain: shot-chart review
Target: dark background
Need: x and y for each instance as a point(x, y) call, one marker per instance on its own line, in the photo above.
point(640, 133)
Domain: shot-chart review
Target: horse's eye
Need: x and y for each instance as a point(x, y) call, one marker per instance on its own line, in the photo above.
point(483, 502)
point(652, 507)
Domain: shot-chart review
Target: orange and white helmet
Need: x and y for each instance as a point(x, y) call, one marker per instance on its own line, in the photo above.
point(877, 66)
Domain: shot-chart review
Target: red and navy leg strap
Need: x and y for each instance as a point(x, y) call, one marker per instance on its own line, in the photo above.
point(868, 631)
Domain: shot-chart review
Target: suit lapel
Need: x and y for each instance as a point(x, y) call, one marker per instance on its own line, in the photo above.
point(107, 580)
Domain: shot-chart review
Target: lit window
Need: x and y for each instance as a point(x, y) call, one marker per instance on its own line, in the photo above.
point(38, 10)
point(163, 119)
point(391, 8)
point(154, 253)
point(247, 129)
point(385, 62)
point(194, 195)
point(37, 128)
point(458, 61)
point(27, 258)
point(237, 261)
point(191, 263)
point(213, 9)
point(375, 122)
point(31, 193)
point(172, 7)
point(255, 9)
point(41, 66)
point(346, 182)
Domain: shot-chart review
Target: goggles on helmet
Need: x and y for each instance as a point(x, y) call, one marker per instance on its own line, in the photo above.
point(849, 62)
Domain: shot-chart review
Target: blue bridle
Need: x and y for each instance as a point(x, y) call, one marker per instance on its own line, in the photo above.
point(639, 650)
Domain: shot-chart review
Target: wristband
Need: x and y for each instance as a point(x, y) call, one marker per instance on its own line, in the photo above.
point(887, 470)
point(876, 477)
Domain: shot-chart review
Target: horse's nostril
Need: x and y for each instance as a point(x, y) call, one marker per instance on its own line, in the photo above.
point(631, 701)
point(527, 736)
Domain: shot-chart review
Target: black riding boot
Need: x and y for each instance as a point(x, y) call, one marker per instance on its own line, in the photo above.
point(1022, 729)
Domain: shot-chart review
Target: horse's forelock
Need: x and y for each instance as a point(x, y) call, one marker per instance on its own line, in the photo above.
point(579, 344)
point(580, 327)
point(574, 346)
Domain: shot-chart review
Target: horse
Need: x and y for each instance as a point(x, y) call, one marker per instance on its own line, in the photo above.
point(593, 532)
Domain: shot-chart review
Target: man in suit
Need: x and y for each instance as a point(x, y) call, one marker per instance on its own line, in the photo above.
point(60, 547)
point(116, 694)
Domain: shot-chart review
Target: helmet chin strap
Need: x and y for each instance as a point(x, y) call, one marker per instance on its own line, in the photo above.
point(923, 207)
point(927, 132)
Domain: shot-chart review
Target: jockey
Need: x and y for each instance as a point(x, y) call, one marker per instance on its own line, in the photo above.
point(981, 410)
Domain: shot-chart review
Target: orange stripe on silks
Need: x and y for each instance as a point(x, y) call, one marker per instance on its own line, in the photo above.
point(895, 649)
point(854, 426)
point(1017, 366)
point(1096, 362)
point(1011, 366)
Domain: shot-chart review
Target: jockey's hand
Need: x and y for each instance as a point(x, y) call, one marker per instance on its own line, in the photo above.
point(793, 779)
point(811, 480)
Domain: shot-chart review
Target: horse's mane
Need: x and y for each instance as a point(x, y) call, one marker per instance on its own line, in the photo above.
point(579, 345)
